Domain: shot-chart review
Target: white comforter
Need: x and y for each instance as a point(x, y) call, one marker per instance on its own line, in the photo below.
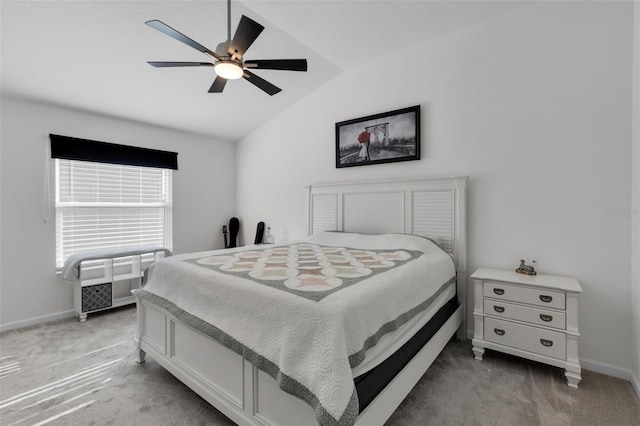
point(308, 346)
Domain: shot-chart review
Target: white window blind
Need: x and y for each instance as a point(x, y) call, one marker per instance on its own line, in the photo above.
point(108, 205)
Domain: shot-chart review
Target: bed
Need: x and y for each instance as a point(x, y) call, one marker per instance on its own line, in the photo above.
point(330, 329)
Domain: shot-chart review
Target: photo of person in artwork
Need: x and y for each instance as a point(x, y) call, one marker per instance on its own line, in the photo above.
point(363, 139)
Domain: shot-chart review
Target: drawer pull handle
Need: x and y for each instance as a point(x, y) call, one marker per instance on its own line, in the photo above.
point(500, 291)
point(499, 309)
point(499, 332)
point(545, 298)
point(547, 343)
point(546, 318)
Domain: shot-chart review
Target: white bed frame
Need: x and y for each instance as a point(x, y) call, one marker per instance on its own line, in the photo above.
point(432, 207)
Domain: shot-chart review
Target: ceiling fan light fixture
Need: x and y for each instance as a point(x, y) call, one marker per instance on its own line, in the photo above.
point(229, 70)
point(228, 59)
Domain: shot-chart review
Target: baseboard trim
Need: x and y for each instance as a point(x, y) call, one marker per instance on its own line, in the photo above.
point(607, 369)
point(37, 320)
point(613, 371)
point(636, 384)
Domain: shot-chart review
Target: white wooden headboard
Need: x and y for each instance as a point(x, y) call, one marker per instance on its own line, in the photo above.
point(430, 207)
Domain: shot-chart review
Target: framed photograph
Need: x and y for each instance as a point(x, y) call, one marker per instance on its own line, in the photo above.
point(381, 138)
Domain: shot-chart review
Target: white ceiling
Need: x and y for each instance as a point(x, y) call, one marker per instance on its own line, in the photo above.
point(91, 55)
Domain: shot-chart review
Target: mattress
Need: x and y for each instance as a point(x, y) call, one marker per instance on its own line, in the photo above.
point(393, 341)
point(371, 383)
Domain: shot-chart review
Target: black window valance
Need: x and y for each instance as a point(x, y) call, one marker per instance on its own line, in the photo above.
point(70, 148)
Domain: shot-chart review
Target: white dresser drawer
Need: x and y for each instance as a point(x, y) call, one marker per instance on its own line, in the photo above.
point(532, 339)
point(531, 296)
point(498, 308)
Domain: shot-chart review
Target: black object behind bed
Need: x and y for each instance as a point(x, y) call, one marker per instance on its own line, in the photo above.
point(371, 383)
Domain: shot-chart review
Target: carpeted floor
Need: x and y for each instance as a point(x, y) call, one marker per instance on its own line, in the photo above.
point(71, 373)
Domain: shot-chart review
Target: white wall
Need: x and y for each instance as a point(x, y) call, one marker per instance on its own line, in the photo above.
point(203, 196)
point(534, 106)
point(635, 234)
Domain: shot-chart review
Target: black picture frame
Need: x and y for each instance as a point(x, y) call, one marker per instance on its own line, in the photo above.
point(392, 137)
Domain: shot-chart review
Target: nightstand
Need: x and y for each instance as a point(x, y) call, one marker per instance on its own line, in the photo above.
point(531, 316)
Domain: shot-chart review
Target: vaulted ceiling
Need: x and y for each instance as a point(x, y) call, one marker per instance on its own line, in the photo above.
point(91, 55)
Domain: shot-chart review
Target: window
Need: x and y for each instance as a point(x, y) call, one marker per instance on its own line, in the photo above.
point(100, 205)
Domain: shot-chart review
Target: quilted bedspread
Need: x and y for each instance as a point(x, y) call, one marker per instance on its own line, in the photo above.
point(305, 312)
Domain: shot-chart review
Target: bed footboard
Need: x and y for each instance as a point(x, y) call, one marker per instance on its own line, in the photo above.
point(247, 395)
point(220, 376)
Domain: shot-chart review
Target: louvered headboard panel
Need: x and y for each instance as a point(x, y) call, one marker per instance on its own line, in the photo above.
point(430, 207)
point(432, 216)
point(325, 212)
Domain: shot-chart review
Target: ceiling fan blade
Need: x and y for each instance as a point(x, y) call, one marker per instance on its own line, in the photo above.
point(247, 32)
point(218, 85)
point(164, 28)
point(277, 64)
point(261, 83)
point(179, 64)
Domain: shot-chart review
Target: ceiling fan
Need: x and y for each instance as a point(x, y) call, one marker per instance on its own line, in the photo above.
point(229, 62)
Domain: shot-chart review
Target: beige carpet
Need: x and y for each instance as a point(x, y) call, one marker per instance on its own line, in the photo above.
point(71, 373)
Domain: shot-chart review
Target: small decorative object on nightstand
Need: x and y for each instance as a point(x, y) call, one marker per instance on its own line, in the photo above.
point(531, 316)
point(526, 269)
